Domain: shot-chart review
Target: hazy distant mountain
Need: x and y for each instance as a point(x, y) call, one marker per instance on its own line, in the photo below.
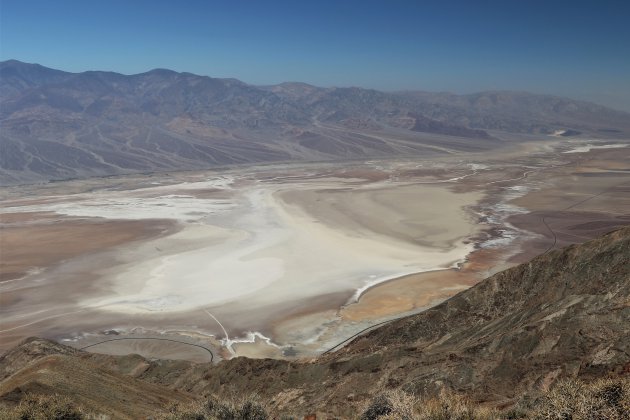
point(58, 125)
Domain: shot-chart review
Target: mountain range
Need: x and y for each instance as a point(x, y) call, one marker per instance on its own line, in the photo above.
point(58, 125)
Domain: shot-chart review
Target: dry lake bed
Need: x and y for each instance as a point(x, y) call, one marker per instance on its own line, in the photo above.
point(287, 260)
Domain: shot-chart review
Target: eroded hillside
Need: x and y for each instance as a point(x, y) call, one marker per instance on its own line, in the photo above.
point(60, 125)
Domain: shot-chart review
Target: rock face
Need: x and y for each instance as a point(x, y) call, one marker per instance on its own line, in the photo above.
point(564, 314)
point(58, 125)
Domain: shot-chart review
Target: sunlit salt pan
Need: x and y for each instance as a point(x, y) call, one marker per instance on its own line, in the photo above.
point(177, 207)
point(221, 182)
point(250, 337)
point(589, 147)
point(265, 250)
point(477, 166)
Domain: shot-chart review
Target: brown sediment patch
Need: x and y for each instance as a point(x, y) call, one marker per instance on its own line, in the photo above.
point(420, 290)
point(564, 228)
point(364, 173)
point(6, 218)
point(31, 246)
point(207, 193)
point(576, 201)
point(579, 201)
point(606, 165)
point(36, 201)
point(600, 225)
point(408, 293)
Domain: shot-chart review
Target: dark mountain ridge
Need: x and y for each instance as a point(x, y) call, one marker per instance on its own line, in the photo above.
point(58, 125)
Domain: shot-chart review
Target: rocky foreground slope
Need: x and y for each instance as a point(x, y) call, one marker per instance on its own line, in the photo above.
point(565, 314)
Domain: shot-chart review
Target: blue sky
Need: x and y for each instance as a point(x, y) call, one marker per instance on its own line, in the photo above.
point(574, 48)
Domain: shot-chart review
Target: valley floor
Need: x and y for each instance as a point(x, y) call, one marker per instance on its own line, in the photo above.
point(287, 261)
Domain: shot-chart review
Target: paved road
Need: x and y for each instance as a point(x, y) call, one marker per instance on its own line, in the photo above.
point(149, 338)
point(555, 237)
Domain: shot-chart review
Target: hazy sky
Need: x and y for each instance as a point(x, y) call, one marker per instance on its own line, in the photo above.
point(574, 48)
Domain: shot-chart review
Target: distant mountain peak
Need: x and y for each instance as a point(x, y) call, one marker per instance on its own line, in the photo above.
point(161, 72)
point(101, 111)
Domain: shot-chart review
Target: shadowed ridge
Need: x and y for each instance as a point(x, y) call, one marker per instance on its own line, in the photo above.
point(30, 349)
point(42, 367)
point(600, 267)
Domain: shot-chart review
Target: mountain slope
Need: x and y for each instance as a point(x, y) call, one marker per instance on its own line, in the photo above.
point(565, 314)
point(58, 125)
point(45, 368)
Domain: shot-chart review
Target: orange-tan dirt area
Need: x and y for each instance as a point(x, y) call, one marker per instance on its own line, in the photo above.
point(288, 260)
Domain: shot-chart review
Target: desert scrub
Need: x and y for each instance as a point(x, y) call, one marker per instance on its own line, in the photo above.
point(450, 406)
point(44, 407)
point(398, 405)
point(378, 407)
point(213, 409)
point(394, 404)
point(606, 399)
